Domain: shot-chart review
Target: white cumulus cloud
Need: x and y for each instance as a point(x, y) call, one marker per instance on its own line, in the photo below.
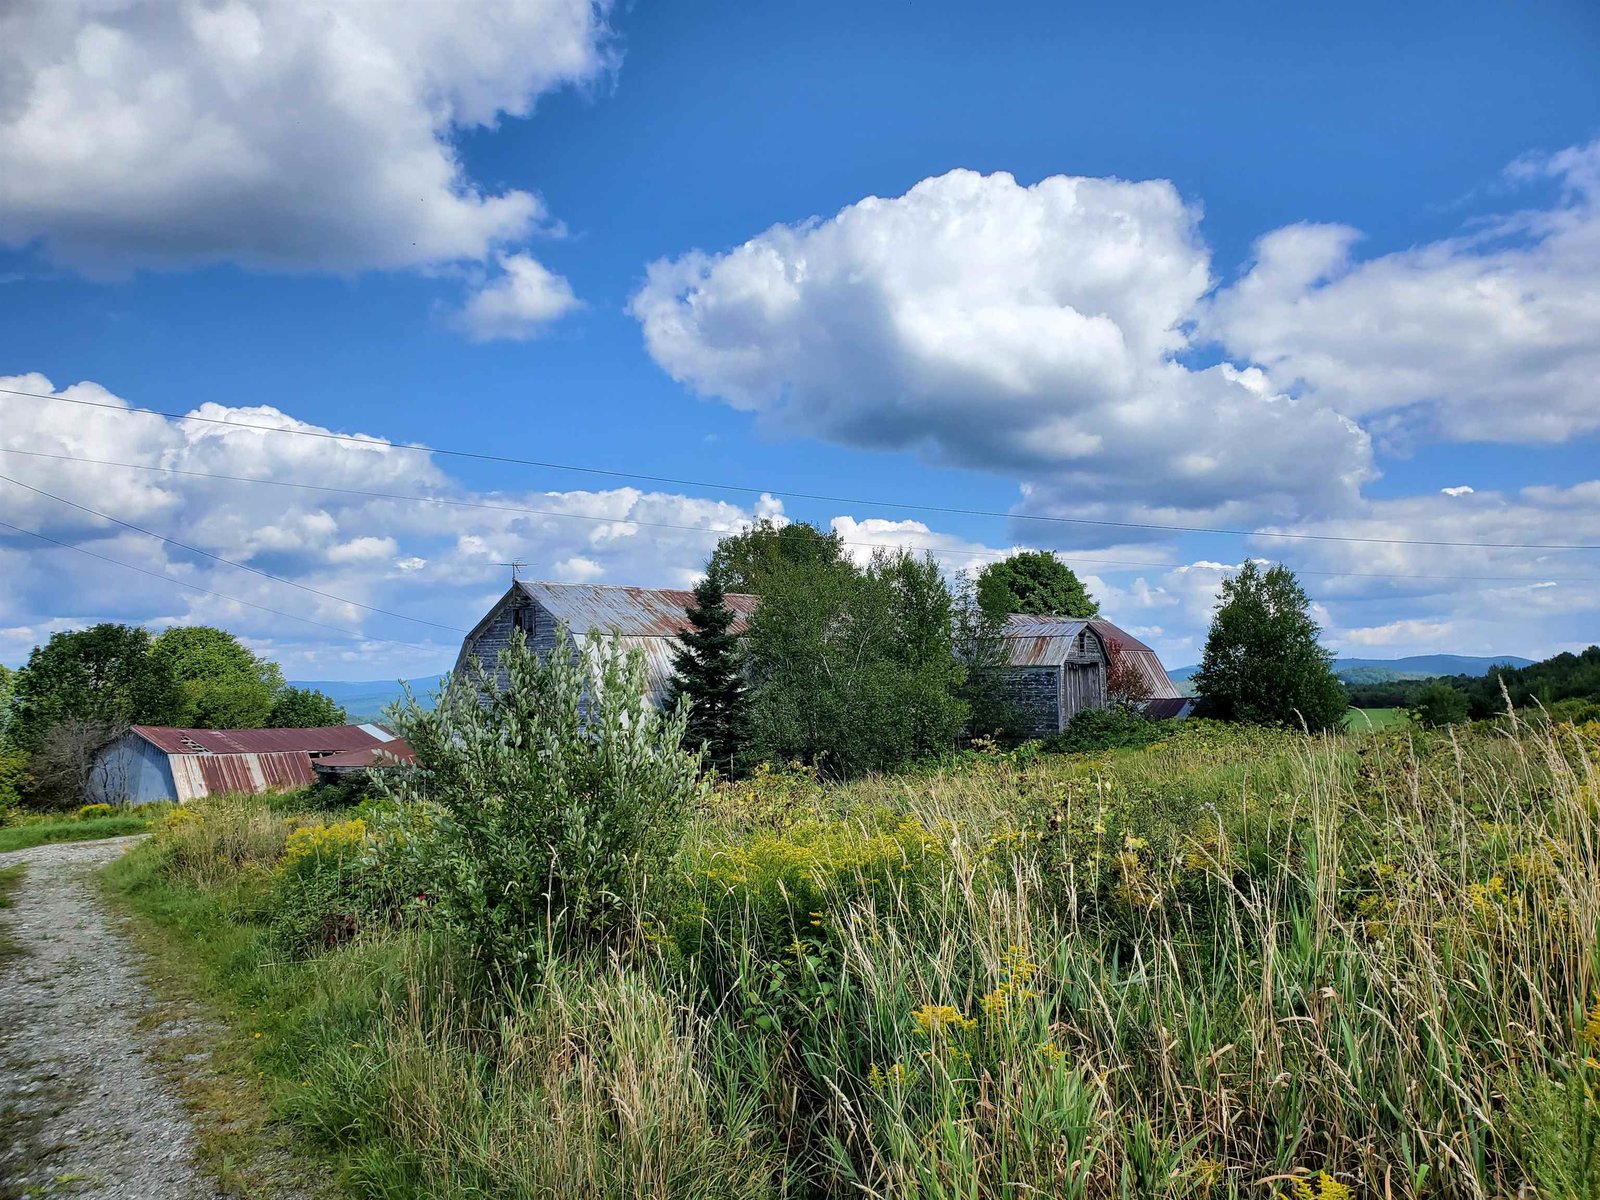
point(519, 302)
point(1034, 331)
point(1489, 336)
point(311, 135)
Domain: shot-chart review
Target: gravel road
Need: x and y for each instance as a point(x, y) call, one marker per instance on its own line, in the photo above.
point(83, 1109)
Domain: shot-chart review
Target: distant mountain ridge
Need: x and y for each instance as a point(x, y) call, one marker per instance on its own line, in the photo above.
point(1390, 670)
point(365, 699)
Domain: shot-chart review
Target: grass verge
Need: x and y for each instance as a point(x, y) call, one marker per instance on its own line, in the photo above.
point(210, 982)
point(10, 877)
point(44, 829)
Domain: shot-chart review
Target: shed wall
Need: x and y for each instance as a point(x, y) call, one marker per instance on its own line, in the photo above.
point(131, 771)
point(1036, 694)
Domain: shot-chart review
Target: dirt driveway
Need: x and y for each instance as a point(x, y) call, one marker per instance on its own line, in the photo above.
point(84, 1111)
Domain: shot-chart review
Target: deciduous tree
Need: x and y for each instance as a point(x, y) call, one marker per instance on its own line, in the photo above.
point(1037, 582)
point(105, 676)
point(853, 669)
point(224, 685)
point(304, 708)
point(743, 562)
point(1262, 663)
point(1438, 705)
point(1126, 685)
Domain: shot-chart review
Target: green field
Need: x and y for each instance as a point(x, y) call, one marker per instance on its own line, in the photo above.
point(1360, 719)
point(1231, 958)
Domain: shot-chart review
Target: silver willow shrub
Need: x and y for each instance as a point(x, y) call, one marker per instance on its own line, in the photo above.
point(556, 795)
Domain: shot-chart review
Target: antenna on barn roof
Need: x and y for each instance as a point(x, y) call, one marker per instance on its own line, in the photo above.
point(514, 567)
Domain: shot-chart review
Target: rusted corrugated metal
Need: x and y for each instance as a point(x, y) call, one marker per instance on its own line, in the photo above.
point(321, 740)
point(397, 753)
point(1155, 675)
point(1040, 641)
point(198, 775)
point(625, 611)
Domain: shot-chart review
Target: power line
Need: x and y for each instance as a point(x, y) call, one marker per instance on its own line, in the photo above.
point(226, 561)
point(703, 529)
point(482, 456)
point(195, 587)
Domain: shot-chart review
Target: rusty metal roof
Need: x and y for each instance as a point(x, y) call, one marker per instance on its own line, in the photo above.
point(1040, 641)
point(625, 611)
point(1033, 641)
point(1155, 675)
point(397, 753)
point(198, 775)
point(322, 740)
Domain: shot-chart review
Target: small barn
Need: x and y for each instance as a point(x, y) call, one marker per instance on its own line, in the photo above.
point(648, 620)
point(1057, 666)
point(159, 762)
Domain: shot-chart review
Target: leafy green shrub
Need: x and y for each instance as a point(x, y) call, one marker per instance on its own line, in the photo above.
point(1438, 705)
point(95, 810)
point(317, 900)
point(1115, 728)
point(14, 780)
point(559, 794)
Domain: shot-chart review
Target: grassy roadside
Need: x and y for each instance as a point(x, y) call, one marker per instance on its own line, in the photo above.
point(41, 829)
point(10, 877)
point(210, 979)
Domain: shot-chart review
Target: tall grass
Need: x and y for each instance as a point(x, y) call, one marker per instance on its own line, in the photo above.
point(1230, 964)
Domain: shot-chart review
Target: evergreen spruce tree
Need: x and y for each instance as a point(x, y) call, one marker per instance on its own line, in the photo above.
point(708, 678)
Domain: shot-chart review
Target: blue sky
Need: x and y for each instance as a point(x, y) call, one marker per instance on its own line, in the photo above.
point(438, 226)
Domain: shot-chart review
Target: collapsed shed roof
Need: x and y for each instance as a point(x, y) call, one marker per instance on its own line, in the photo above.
point(325, 739)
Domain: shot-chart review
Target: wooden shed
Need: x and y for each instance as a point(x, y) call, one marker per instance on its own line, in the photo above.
point(159, 762)
point(1057, 666)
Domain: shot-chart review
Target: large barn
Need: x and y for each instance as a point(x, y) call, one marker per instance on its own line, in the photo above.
point(1055, 666)
point(159, 762)
point(648, 620)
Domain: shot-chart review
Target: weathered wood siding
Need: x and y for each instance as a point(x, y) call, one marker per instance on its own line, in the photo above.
point(519, 612)
point(1083, 676)
point(1047, 696)
point(1035, 692)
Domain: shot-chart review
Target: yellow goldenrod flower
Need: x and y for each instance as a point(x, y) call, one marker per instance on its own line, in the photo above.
point(1591, 1026)
point(933, 1019)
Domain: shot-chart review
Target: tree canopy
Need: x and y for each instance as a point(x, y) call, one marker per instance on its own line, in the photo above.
point(105, 675)
point(224, 685)
point(304, 708)
point(745, 562)
point(1037, 582)
point(851, 668)
point(1438, 704)
point(1263, 664)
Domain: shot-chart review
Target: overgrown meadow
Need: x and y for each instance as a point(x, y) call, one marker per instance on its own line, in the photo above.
point(1234, 962)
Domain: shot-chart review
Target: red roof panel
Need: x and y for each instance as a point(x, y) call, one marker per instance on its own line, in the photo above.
point(324, 740)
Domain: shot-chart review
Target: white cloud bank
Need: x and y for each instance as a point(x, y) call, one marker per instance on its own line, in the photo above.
point(305, 136)
point(440, 562)
point(1057, 333)
point(1490, 336)
point(1034, 331)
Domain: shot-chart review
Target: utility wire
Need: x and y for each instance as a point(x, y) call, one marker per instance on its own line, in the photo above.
point(482, 456)
point(225, 561)
point(194, 587)
point(702, 529)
